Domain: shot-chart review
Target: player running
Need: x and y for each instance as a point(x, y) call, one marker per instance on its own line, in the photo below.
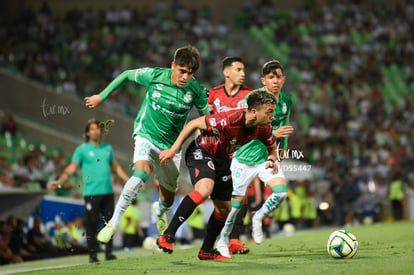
point(171, 93)
point(224, 97)
point(208, 160)
point(252, 159)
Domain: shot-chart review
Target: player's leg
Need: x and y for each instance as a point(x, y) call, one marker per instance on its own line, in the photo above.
point(278, 184)
point(143, 158)
point(221, 196)
point(214, 227)
point(167, 176)
point(107, 208)
point(91, 225)
point(202, 176)
point(242, 175)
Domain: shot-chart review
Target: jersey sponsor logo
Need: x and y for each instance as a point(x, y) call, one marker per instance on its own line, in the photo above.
point(171, 113)
point(284, 108)
point(184, 106)
point(188, 97)
point(224, 108)
point(91, 154)
point(159, 86)
point(198, 154)
point(157, 107)
point(212, 121)
point(211, 165)
point(156, 94)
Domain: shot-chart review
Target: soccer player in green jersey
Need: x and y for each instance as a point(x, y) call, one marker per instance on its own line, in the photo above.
point(250, 160)
point(96, 161)
point(171, 93)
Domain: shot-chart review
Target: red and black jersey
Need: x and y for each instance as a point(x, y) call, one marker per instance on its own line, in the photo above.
point(220, 101)
point(226, 132)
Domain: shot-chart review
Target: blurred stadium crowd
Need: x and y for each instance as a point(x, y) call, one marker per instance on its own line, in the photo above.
point(350, 70)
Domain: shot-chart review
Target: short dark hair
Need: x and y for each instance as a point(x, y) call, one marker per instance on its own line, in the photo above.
point(271, 66)
point(260, 97)
point(188, 56)
point(227, 61)
point(88, 126)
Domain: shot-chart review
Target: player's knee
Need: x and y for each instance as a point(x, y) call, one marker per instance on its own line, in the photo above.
point(222, 212)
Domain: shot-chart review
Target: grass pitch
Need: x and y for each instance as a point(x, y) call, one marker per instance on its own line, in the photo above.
point(386, 248)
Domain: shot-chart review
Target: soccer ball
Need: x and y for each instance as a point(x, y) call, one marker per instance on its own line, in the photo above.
point(149, 243)
point(342, 244)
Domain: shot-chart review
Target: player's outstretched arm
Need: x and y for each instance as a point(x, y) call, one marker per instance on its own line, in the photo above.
point(93, 101)
point(189, 129)
point(96, 100)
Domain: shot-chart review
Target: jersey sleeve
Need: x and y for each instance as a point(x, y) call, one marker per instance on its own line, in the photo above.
point(216, 121)
point(266, 136)
point(210, 100)
point(77, 155)
point(144, 76)
point(202, 102)
point(286, 120)
point(284, 141)
point(117, 83)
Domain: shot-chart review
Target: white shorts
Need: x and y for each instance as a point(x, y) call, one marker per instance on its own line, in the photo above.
point(243, 174)
point(167, 174)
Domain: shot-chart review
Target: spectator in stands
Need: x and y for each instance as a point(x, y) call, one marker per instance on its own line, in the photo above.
point(6, 254)
point(37, 243)
point(6, 174)
point(74, 236)
point(17, 241)
point(197, 223)
point(8, 124)
point(132, 233)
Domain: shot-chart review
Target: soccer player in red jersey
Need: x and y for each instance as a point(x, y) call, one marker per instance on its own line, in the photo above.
point(231, 94)
point(208, 159)
point(224, 97)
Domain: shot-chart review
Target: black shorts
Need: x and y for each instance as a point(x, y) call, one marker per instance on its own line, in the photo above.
point(202, 164)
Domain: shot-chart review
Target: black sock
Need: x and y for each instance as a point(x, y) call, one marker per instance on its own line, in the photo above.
point(214, 228)
point(185, 209)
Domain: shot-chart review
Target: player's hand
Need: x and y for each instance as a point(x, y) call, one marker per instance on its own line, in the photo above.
point(283, 131)
point(166, 155)
point(52, 185)
point(93, 101)
point(272, 165)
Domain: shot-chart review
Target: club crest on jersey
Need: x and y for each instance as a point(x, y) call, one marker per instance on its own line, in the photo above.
point(211, 165)
point(284, 108)
point(188, 97)
point(240, 104)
